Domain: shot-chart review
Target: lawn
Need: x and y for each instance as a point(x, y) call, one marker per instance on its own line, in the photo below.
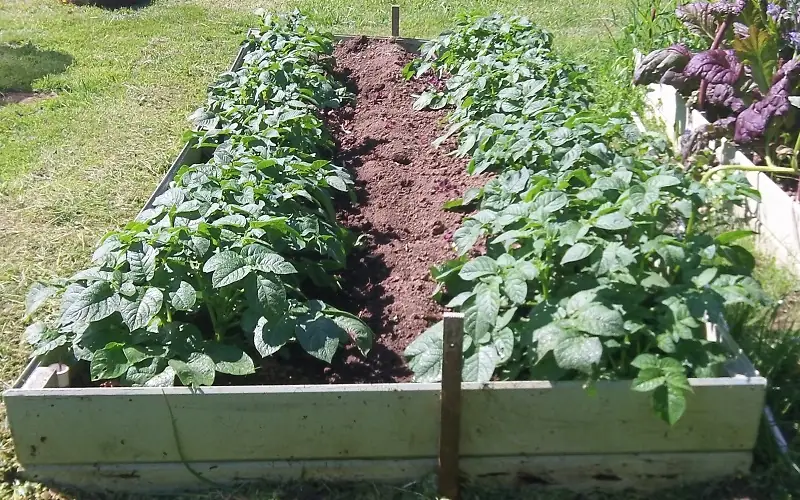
point(83, 162)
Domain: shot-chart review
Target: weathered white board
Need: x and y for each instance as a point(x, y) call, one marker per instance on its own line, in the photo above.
point(776, 218)
point(61, 426)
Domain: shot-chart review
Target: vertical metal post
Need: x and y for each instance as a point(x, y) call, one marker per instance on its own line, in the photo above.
point(395, 21)
point(450, 409)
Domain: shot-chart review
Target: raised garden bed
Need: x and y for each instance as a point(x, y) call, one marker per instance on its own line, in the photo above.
point(776, 217)
point(534, 432)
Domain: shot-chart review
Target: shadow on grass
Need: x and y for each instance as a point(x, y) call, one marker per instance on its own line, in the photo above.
point(113, 4)
point(23, 63)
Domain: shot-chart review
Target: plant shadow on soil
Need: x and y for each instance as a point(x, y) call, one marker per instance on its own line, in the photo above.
point(22, 63)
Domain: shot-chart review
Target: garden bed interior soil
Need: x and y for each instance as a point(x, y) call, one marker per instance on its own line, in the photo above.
point(402, 181)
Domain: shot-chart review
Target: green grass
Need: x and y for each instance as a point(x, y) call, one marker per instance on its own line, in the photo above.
point(82, 163)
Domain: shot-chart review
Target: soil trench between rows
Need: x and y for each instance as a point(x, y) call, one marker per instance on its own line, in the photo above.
point(402, 181)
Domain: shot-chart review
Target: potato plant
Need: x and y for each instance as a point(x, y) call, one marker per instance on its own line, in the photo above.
point(583, 257)
point(222, 265)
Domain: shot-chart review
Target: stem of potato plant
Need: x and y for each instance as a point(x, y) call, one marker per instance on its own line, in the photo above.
point(213, 316)
point(545, 291)
point(546, 271)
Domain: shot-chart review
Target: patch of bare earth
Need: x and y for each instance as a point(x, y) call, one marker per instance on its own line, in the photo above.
point(13, 97)
point(403, 182)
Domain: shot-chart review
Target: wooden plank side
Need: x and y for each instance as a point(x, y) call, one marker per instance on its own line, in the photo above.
point(41, 377)
point(26, 373)
point(189, 155)
point(574, 472)
point(638, 471)
point(739, 365)
point(565, 419)
point(60, 426)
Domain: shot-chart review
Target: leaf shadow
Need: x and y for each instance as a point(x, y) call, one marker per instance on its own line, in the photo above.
point(352, 160)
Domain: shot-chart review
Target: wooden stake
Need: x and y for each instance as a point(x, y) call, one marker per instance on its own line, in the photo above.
point(395, 21)
point(450, 409)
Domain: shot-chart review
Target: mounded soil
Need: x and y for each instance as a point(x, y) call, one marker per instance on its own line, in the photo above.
point(14, 97)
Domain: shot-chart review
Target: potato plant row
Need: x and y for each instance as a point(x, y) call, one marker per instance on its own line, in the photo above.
point(589, 255)
point(220, 268)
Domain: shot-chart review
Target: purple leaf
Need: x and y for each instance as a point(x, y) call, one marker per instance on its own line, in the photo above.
point(722, 94)
point(729, 7)
point(679, 80)
point(741, 30)
point(789, 70)
point(752, 123)
point(655, 64)
point(703, 18)
point(715, 66)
